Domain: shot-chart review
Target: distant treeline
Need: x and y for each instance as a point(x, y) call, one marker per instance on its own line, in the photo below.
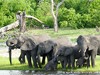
point(72, 13)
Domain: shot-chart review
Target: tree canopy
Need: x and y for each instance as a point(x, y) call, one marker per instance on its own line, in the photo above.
point(72, 13)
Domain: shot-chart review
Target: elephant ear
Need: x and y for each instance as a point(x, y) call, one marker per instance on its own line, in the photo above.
point(28, 45)
point(48, 46)
point(93, 43)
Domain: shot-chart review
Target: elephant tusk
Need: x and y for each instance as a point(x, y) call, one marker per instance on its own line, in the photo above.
point(86, 58)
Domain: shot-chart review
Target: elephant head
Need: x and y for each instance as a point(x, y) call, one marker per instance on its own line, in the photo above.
point(12, 44)
point(64, 51)
point(45, 47)
point(87, 43)
point(82, 42)
point(22, 42)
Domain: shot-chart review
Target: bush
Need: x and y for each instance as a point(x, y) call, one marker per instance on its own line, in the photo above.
point(63, 24)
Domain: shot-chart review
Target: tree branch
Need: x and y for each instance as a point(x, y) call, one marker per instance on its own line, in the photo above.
point(58, 5)
point(28, 16)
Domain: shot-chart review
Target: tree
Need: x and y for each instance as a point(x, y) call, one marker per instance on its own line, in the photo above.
point(55, 14)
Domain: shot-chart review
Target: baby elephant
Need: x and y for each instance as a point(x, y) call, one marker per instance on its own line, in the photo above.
point(51, 65)
point(82, 62)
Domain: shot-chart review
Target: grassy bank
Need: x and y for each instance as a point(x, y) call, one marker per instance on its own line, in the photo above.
point(72, 34)
point(4, 65)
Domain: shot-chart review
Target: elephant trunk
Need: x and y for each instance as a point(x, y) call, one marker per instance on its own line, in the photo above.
point(10, 56)
point(7, 43)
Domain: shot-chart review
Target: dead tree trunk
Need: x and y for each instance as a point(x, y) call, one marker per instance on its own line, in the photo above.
point(55, 15)
point(21, 17)
point(8, 27)
point(28, 16)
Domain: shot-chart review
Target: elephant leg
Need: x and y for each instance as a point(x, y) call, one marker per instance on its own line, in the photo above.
point(33, 54)
point(72, 61)
point(62, 64)
point(65, 63)
point(55, 65)
point(69, 62)
point(49, 57)
point(88, 62)
point(93, 56)
point(28, 55)
point(35, 62)
point(22, 56)
point(43, 60)
point(20, 59)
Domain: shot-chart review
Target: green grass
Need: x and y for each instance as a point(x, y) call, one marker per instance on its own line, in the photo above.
point(4, 65)
point(71, 33)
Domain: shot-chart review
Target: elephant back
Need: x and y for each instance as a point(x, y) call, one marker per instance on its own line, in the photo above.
point(41, 38)
point(90, 42)
point(63, 41)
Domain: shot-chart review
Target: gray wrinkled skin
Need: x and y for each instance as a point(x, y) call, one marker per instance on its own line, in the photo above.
point(90, 43)
point(28, 44)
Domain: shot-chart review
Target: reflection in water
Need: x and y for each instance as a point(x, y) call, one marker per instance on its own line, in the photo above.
point(30, 72)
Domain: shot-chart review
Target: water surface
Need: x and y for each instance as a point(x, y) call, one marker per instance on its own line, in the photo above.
point(30, 72)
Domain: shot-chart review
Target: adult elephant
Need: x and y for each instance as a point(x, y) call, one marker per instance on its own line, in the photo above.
point(27, 44)
point(46, 48)
point(90, 43)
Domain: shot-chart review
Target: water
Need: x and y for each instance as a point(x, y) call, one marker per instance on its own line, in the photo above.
point(30, 72)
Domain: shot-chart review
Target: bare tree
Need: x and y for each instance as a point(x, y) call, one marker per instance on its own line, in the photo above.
point(55, 14)
point(21, 17)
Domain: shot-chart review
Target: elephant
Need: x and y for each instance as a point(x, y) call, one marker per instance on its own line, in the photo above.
point(51, 65)
point(90, 43)
point(81, 62)
point(27, 44)
point(64, 60)
point(69, 54)
point(46, 48)
point(84, 61)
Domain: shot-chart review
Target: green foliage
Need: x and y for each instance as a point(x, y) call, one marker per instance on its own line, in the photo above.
point(63, 24)
point(72, 13)
point(8, 9)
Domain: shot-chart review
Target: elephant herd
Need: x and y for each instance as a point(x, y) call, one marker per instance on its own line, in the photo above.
point(58, 51)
